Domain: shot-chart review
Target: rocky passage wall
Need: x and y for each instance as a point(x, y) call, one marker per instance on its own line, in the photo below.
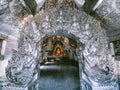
point(97, 66)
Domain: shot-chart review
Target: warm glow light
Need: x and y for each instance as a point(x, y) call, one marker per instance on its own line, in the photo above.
point(59, 50)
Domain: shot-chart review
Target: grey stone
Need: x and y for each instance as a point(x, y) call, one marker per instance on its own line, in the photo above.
point(96, 64)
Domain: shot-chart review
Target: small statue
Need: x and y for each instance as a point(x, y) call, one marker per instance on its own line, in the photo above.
point(58, 52)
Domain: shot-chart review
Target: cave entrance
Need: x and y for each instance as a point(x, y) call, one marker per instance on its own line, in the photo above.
point(59, 69)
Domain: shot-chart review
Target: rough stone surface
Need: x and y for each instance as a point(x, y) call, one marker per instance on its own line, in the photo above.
point(110, 11)
point(97, 66)
point(25, 59)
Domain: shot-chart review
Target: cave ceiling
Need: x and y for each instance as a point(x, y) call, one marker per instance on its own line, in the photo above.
point(105, 11)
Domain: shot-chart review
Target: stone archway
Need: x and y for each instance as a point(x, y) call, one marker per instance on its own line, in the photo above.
point(61, 63)
point(97, 66)
point(64, 35)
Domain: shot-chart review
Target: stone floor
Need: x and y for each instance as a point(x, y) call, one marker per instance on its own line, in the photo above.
point(59, 76)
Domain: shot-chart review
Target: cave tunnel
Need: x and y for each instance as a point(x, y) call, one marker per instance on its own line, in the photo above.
point(59, 67)
point(59, 49)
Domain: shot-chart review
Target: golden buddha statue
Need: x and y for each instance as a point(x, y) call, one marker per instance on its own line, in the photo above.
point(58, 52)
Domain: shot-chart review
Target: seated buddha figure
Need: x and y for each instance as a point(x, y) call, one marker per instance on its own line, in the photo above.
point(58, 52)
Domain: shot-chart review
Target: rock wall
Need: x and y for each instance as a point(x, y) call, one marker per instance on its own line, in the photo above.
point(97, 67)
point(97, 63)
point(110, 11)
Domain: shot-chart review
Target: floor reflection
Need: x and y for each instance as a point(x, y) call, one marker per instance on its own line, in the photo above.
point(59, 76)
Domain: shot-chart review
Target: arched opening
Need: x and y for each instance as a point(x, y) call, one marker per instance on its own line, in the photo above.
point(97, 64)
point(58, 48)
point(59, 65)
